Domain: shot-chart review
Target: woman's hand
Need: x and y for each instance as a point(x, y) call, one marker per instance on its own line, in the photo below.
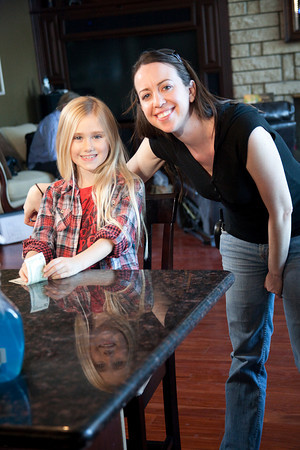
point(32, 203)
point(273, 283)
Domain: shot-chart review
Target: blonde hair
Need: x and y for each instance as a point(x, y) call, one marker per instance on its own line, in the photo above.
point(113, 306)
point(82, 335)
point(107, 173)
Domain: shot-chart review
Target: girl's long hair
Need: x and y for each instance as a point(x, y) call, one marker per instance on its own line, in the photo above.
point(107, 173)
point(205, 103)
point(114, 307)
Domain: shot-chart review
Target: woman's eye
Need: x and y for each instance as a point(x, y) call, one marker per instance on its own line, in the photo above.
point(98, 136)
point(145, 97)
point(167, 87)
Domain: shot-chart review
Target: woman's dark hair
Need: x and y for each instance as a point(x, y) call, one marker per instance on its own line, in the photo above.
point(205, 103)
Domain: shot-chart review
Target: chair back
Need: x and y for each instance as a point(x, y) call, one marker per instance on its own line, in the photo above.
point(28, 140)
point(161, 209)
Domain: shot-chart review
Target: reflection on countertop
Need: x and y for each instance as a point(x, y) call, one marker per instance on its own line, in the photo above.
point(91, 340)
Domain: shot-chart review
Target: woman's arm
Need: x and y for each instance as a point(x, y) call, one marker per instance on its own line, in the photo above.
point(144, 163)
point(33, 202)
point(265, 167)
point(43, 237)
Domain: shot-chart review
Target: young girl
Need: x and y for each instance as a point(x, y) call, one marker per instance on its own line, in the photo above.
point(91, 218)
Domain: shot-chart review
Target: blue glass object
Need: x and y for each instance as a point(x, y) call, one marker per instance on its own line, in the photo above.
point(12, 341)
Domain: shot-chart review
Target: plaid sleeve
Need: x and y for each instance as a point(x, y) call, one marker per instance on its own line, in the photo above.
point(43, 236)
point(37, 246)
point(124, 213)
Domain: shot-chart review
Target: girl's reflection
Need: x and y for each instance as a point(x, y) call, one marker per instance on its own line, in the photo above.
point(109, 306)
point(111, 343)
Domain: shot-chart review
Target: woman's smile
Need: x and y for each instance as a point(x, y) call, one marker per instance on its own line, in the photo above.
point(164, 99)
point(165, 114)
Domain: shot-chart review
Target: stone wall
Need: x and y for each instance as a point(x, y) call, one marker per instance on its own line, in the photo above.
point(262, 62)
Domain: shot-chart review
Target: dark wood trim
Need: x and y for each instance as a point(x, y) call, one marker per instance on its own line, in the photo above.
point(291, 33)
point(208, 18)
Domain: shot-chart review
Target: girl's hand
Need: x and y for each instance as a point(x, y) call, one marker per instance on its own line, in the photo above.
point(61, 268)
point(23, 272)
point(60, 289)
point(273, 283)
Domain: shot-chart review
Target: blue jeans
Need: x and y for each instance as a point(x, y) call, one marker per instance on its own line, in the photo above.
point(249, 308)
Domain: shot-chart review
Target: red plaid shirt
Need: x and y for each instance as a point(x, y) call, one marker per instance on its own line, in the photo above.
point(128, 289)
point(57, 229)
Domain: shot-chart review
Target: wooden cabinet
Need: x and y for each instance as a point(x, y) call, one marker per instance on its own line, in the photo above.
point(66, 29)
point(49, 48)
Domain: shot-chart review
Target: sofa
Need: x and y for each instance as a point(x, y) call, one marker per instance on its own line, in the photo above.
point(15, 178)
point(281, 116)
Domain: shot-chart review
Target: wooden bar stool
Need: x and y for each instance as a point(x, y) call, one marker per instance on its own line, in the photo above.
point(160, 209)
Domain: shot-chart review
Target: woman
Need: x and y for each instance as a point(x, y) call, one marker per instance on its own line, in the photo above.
point(231, 155)
point(92, 217)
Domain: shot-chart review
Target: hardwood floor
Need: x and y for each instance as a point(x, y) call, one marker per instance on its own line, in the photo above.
point(203, 361)
point(202, 365)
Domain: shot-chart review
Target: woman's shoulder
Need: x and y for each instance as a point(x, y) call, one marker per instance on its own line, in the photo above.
point(165, 146)
point(238, 119)
point(232, 110)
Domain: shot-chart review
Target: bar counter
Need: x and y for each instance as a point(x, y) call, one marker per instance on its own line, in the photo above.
point(91, 341)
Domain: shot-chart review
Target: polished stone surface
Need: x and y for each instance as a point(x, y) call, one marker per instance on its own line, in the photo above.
point(90, 342)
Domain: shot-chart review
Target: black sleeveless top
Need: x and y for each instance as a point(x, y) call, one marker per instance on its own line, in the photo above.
point(245, 214)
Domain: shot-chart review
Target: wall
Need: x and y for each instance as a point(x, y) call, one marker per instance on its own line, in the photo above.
point(262, 62)
point(20, 103)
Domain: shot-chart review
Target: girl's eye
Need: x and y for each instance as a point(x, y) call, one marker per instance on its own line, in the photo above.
point(100, 366)
point(77, 138)
point(119, 365)
point(98, 136)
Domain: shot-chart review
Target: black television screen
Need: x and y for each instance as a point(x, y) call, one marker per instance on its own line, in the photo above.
point(102, 67)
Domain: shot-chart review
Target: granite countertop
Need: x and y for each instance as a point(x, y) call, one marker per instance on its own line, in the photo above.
point(91, 341)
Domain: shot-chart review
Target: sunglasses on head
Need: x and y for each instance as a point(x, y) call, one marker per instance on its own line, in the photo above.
point(168, 51)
